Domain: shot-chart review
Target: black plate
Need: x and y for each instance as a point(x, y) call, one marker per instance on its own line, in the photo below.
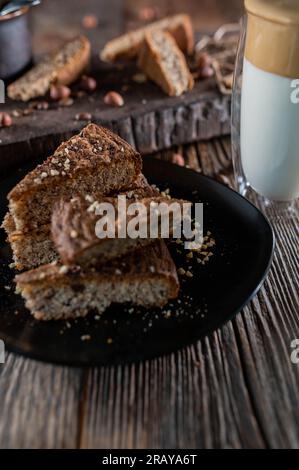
point(218, 290)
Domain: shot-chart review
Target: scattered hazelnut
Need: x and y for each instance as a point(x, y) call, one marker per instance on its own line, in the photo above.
point(59, 92)
point(112, 98)
point(178, 159)
point(83, 117)
point(90, 21)
point(5, 120)
point(207, 72)
point(204, 60)
point(204, 63)
point(88, 83)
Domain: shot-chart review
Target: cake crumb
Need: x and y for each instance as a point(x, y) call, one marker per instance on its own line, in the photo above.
point(63, 269)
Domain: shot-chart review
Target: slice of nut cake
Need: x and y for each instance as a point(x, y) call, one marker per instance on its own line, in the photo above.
point(147, 278)
point(128, 45)
point(162, 61)
point(96, 160)
point(74, 225)
point(34, 247)
point(61, 68)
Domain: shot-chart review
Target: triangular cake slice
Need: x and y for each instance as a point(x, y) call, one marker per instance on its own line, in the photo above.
point(55, 292)
point(128, 45)
point(94, 161)
point(74, 225)
point(62, 67)
point(31, 248)
point(161, 60)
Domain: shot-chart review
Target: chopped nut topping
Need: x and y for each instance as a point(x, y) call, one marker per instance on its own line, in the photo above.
point(63, 269)
point(74, 234)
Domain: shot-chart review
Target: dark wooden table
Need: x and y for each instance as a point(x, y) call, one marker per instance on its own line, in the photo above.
point(235, 389)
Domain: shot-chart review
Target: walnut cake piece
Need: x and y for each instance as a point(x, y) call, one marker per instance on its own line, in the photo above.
point(74, 225)
point(61, 68)
point(128, 45)
point(34, 247)
point(146, 278)
point(164, 63)
point(94, 161)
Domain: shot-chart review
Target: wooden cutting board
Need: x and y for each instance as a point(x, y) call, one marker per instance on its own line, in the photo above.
point(149, 120)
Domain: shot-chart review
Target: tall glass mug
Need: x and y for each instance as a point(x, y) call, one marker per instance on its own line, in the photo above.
point(265, 108)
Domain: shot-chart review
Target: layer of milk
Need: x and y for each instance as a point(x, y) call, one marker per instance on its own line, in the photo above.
point(269, 134)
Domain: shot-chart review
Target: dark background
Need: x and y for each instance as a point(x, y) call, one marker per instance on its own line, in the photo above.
point(57, 20)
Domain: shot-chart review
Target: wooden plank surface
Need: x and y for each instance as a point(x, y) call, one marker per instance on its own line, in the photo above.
point(235, 389)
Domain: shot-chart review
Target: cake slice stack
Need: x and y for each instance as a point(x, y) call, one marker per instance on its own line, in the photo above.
point(52, 217)
point(94, 161)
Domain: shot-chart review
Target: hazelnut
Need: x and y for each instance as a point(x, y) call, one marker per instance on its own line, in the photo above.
point(178, 159)
point(83, 117)
point(204, 63)
point(112, 98)
point(88, 83)
point(5, 120)
point(206, 72)
point(59, 92)
point(204, 60)
point(89, 21)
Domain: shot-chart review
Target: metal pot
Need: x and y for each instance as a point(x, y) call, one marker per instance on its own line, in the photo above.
point(15, 44)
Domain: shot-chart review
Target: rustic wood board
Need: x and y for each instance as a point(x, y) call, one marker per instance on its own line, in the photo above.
point(149, 120)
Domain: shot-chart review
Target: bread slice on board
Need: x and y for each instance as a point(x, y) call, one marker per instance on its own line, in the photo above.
point(55, 292)
point(162, 61)
point(74, 226)
point(94, 161)
point(63, 68)
point(127, 46)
